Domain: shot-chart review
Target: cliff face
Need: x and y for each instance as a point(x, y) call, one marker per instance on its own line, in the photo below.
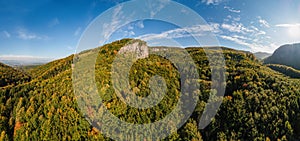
point(138, 48)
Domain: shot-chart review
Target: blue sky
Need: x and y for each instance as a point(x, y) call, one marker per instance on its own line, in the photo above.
point(52, 28)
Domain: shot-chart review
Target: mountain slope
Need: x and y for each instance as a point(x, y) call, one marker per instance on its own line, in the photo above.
point(51, 69)
point(259, 104)
point(288, 71)
point(11, 76)
point(288, 55)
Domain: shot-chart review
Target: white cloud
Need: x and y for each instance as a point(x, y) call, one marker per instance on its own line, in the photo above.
point(6, 34)
point(241, 37)
point(121, 17)
point(127, 34)
point(248, 36)
point(257, 31)
point(288, 25)
point(115, 21)
point(25, 35)
point(233, 19)
point(130, 27)
point(237, 19)
point(213, 2)
point(157, 6)
point(255, 28)
point(263, 23)
point(239, 34)
point(234, 39)
point(140, 24)
point(198, 30)
point(231, 9)
point(252, 45)
point(237, 27)
point(184, 11)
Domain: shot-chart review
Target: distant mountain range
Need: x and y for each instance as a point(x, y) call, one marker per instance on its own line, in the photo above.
point(262, 55)
point(288, 55)
point(23, 60)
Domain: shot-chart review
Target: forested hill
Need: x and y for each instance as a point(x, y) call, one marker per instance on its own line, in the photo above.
point(288, 55)
point(51, 69)
point(259, 103)
point(11, 76)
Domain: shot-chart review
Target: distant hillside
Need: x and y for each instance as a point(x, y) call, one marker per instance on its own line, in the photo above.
point(23, 60)
point(259, 103)
point(51, 69)
point(262, 55)
point(288, 71)
point(288, 55)
point(11, 76)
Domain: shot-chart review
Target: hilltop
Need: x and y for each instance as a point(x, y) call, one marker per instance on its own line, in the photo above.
point(259, 103)
point(288, 55)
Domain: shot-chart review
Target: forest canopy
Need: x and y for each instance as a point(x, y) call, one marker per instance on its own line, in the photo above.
point(259, 103)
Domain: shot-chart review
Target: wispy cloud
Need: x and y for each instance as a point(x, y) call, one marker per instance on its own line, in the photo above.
point(233, 19)
point(77, 31)
point(231, 9)
point(249, 36)
point(241, 37)
point(126, 33)
point(199, 30)
point(129, 33)
point(140, 24)
point(288, 25)
point(6, 34)
point(235, 39)
point(263, 22)
point(157, 6)
point(70, 47)
point(257, 31)
point(237, 27)
point(25, 35)
point(115, 21)
point(54, 22)
point(254, 46)
point(235, 32)
point(212, 2)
